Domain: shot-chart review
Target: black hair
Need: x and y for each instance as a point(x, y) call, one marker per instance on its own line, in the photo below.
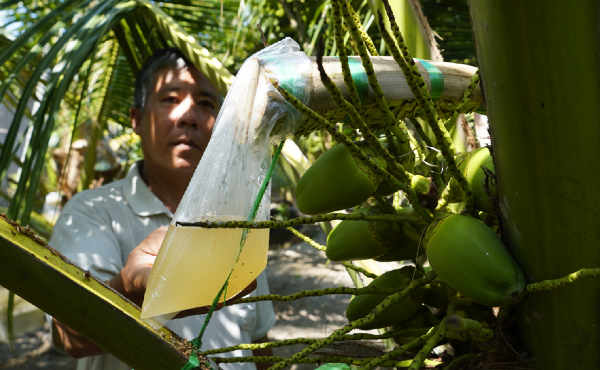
point(168, 57)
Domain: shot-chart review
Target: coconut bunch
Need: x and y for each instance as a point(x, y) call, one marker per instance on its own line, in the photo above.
point(402, 193)
point(412, 197)
point(445, 192)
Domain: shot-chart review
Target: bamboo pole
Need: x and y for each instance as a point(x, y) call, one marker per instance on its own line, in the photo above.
point(45, 278)
point(540, 71)
point(393, 83)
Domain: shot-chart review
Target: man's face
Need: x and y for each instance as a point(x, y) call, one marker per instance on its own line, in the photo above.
point(177, 120)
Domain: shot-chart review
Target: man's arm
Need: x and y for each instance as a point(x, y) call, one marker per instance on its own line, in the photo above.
point(131, 283)
point(262, 352)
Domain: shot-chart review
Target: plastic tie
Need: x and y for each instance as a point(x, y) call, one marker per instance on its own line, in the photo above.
point(436, 77)
point(193, 361)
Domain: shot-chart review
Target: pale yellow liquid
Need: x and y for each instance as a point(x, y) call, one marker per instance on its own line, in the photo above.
point(193, 264)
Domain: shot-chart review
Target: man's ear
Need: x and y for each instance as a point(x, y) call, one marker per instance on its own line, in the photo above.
point(136, 119)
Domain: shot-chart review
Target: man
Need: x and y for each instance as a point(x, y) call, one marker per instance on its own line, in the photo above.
point(115, 231)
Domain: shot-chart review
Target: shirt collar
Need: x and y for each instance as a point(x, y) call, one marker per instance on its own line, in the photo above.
point(140, 197)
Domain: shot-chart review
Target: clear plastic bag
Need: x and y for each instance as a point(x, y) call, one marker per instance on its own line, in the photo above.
point(193, 263)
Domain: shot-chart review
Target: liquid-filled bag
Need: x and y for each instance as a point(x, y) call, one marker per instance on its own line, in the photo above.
point(193, 263)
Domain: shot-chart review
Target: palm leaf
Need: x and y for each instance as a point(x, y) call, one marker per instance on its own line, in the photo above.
point(32, 62)
point(450, 19)
point(175, 34)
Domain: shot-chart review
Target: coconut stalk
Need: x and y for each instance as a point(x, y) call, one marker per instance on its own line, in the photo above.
point(539, 63)
point(42, 276)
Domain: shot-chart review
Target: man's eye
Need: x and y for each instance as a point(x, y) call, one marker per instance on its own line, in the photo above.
point(206, 103)
point(171, 99)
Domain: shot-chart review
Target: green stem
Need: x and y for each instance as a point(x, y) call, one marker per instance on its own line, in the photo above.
point(385, 207)
point(365, 36)
point(401, 350)
point(419, 89)
point(444, 198)
point(424, 137)
point(299, 221)
point(357, 153)
point(395, 168)
point(316, 360)
point(391, 143)
point(415, 144)
point(339, 41)
point(320, 247)
point(318, 293)
point(411, 232)
point(357, 323)
point(369, 70)
point(412, 332)
point(429, 346)
point(462, 106)
point(400, 131)
point(459, 324)
point(10, 307)
point(468, 356)
point(559, 283)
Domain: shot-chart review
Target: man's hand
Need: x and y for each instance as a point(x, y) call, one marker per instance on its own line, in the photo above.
point(133, 278)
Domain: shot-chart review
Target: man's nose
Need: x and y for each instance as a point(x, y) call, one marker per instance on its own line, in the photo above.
point(188, 113)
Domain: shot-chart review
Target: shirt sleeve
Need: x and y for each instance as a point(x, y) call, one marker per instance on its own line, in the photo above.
point(265, 314)
point(85, 237)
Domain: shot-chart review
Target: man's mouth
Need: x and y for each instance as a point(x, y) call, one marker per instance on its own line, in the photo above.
point(185, 142)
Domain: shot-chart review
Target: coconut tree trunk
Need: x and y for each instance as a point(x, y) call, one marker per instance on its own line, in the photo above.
point(540, 65)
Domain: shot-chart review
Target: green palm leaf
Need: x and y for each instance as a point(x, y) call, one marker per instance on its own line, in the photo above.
point(74, 55)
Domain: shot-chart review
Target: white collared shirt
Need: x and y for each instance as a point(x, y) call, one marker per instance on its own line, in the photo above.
point(97, 230)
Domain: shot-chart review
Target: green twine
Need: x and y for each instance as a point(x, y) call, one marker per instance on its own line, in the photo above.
point(436, 77)
point(193, 361)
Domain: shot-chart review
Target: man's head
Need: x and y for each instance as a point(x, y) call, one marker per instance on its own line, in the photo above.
point(174, 110)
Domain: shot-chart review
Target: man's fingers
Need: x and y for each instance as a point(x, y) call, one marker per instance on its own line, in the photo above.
point(152, 243)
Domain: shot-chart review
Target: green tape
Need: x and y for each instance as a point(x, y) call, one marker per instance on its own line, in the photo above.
point(361, 81)
point(197, 343)
point(287, 75)
point(436, 77)
point(359, 76)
